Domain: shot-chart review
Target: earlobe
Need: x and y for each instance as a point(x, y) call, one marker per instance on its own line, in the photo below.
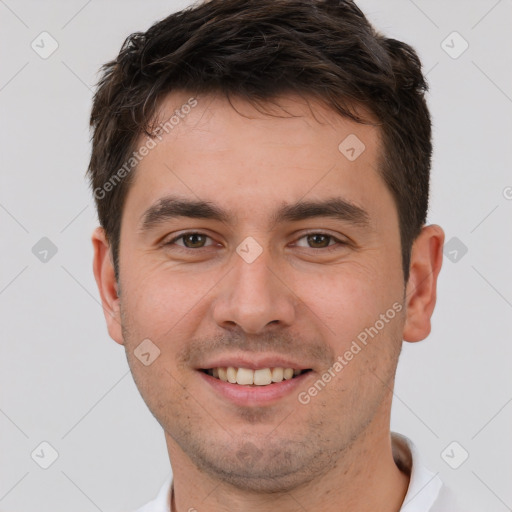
point(107, 285)
point(420, 299)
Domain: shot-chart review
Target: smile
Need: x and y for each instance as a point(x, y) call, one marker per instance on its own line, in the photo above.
point(249, 377)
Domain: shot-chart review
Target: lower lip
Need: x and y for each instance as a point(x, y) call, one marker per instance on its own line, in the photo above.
point(254, 395)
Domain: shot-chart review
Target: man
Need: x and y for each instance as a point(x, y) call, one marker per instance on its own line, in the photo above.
point(261, 173)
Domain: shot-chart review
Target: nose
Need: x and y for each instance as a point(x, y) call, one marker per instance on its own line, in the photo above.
point(255, 296)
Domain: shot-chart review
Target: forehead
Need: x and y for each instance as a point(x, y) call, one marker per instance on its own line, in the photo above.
point(279, 152)
point(214, 122)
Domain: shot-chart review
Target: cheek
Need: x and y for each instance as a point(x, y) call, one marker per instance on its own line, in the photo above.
point(160, 302)
point(151, 308)
point(347, 298)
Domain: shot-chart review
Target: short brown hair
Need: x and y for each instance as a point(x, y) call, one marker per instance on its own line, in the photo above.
point(257, 50)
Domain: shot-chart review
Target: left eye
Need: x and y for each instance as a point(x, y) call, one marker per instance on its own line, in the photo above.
point(195, 240)
point(319, 240)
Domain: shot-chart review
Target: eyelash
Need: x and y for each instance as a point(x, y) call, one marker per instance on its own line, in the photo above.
point(329, 248)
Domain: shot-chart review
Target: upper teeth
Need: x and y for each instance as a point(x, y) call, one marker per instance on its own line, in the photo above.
point(246, 376)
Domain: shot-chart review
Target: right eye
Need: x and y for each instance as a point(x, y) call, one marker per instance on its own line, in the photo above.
point(191, 240)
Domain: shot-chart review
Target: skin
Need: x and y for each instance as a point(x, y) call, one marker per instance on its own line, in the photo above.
point(296, 300)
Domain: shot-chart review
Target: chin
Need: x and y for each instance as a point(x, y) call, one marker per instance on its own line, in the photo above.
point(265, 468)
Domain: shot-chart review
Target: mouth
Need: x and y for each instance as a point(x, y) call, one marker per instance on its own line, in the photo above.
point(254, 378)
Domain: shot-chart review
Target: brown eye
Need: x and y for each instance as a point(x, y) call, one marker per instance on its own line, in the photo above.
point(193, 240)
point(318, 240)
point(190, 240)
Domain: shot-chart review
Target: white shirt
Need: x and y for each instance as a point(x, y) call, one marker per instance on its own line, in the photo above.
point(426, 492)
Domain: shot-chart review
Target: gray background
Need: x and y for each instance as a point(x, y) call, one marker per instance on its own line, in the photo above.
point(64, 381)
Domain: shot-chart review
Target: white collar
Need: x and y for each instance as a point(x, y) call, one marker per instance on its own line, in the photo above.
point(424, 486)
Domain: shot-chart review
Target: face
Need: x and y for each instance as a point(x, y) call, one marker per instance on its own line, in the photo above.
point(252, 241)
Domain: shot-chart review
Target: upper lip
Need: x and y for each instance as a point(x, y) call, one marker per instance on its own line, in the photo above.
point(254, 362)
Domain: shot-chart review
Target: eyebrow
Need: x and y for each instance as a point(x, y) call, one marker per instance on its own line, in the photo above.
point(171, 207)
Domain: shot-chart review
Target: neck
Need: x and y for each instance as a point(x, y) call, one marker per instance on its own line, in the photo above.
point(365, 479)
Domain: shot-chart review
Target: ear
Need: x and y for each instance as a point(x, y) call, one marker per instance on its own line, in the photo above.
point(105, 279)
point(420, 299)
